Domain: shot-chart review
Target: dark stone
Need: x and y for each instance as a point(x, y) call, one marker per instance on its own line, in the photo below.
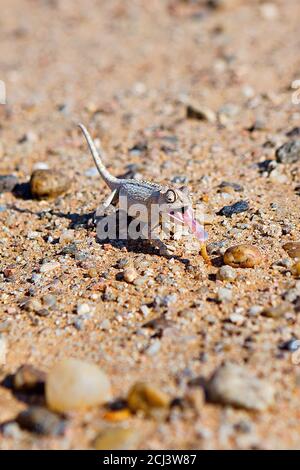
point(295, 132)
point(292, 345)
point(236, 208)
point(266, 166)
point(41, 421)
point(7, 183)
point(237, 187)
point(70, 249)
point(289, 152)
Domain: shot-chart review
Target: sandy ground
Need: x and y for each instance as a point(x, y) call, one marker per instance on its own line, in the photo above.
point(126, 69)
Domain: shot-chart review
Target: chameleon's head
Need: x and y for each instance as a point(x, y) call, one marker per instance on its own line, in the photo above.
point(178, 204)
point(175, 200)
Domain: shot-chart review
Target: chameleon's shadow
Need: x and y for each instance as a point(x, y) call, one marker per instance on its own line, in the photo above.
point(86, 221)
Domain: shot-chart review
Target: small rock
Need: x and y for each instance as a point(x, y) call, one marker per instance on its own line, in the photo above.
point(202, 113)
point(234, 385)
point(7, 183)
point(29, 379)
point(46, 184)
point(242, 256)
point(224, 294)
point(83, 309)
point(51, 266)
point(292, 249)
point(70, 249)
point(153, 348)
point(237, 319)
point(130, 275)
point(292, 345)
point(74, 384)
point(234, 186)
point(3, 350)
point(255, 310)
point(11, 430)
point(49, 300)
point(67, 236)
point(295, 132)
point(276, 176)
point(236, 208)
point(145, 397)
point(289, 152)
point(32, 305)
point(226, 273)
point(269, 11)
point(41, 421)
point(117, 438)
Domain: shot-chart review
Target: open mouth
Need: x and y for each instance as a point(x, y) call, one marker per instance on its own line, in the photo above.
point(186, 216)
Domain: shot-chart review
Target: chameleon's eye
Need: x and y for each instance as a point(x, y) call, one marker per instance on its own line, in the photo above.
point(171, 196)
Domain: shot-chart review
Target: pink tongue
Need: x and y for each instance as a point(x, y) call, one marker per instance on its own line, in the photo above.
point(191, 222)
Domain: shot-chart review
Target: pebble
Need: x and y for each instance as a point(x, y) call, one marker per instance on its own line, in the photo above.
point(242, 256)
point(255, 310)
point(153, 348)
point(226, 273)
point(295, 132)
point(295, 269)
point(145, 397)
point(224, 294)
point(292, 249)
point(276, 176)
point(67, 236)
point(130, 275)
point(236, 208)
point(292, 345)
point(46, 184)
point(70, 249)
point(117, 438)
point(289, 152)
point(11, 430)
point(41, 421)
point(83, 309)
point(269, 11)
point(3, 350)
point(74, 384)
point(7, 183)
point(49, 300)
point(202, 113)
point(234, 385)
point(50, 266)
point(233, 186)
point(237, 319)
point(29, 379)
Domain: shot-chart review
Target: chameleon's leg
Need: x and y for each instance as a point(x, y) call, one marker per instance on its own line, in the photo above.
point(109, 201)
point(154, 239)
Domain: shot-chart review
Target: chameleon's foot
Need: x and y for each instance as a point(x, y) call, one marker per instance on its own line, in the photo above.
point(204, 254)
point(164, 249)
point(167, 250)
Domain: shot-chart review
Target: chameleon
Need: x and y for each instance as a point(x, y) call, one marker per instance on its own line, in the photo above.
point(174, 202)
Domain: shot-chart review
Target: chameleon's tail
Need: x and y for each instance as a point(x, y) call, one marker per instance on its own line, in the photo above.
point(108, 178)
